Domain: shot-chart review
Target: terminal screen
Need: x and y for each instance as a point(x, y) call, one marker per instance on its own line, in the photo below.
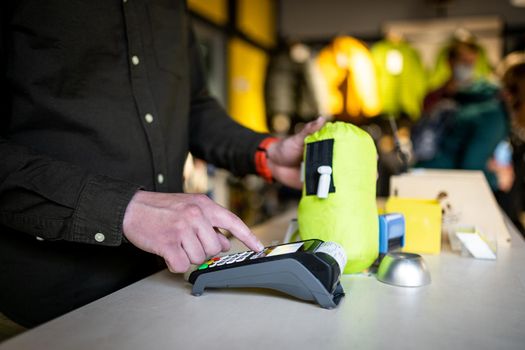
point(285, 249)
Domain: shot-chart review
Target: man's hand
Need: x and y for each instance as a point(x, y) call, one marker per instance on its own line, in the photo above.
point(285, 156)
point(182, 228)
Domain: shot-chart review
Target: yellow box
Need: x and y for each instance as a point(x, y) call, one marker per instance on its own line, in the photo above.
point(423, 223)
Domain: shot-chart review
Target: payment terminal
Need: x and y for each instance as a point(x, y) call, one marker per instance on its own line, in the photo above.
point(308, 270)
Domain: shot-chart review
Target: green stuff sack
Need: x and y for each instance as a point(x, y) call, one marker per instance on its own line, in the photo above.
point(339, 192)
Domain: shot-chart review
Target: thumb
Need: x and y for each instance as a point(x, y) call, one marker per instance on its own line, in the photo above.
point(312, 127)
point(289, 151)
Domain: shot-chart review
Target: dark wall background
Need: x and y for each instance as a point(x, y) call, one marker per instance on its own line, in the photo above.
point(322, 19)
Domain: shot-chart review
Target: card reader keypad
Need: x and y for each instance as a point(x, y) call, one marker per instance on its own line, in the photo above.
point(227, 259)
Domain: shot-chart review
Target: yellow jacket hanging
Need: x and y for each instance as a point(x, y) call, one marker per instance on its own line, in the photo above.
point(348, 70)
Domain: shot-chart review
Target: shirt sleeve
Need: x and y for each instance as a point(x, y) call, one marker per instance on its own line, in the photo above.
point(214, 136)
point(55, 200)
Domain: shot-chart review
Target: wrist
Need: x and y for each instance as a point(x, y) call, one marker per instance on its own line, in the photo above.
point(132, 213)
point(129, 214)
point(263, 163)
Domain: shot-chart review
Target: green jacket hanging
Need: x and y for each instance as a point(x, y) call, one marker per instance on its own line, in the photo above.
point(401, 78)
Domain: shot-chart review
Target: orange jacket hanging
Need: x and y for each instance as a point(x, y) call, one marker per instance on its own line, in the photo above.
point(348, 70)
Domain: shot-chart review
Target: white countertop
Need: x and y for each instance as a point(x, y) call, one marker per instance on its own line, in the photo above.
point(470, 304)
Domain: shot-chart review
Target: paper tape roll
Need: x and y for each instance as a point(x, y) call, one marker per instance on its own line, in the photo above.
point(336, 251)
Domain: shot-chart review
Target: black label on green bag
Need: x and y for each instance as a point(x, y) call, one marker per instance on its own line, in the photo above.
point(318, 154)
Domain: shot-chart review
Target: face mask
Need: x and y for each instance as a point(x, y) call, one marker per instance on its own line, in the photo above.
point(463, 73)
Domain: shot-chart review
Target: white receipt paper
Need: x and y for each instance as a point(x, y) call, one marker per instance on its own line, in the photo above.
point(335, 251)
point(476, 245)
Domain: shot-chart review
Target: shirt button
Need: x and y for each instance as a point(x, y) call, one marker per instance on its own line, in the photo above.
point(135, 60)
point(160, 179)
point(149, 118)
point(99, 237)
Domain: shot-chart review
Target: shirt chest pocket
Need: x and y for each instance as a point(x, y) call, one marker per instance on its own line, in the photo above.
point(170, 36)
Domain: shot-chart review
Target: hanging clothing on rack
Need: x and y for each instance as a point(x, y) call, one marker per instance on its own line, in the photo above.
point(349, 74)
point(401, 78)
point(292, 88)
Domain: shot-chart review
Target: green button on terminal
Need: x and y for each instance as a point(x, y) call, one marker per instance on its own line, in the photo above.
point(203, 266)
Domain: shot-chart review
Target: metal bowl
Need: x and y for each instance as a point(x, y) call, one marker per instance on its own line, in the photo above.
point(403, 270)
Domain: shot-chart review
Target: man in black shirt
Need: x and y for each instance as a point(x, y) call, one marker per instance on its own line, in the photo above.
point(102, 101)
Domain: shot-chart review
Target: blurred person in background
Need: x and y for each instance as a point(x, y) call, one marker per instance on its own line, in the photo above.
point(511, 172)
point(465, 117)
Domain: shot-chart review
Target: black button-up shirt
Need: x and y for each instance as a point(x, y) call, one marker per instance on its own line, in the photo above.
point(100, 98)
